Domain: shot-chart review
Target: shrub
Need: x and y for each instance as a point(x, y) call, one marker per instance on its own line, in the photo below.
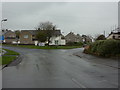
point(101, 37)
point(104, 48)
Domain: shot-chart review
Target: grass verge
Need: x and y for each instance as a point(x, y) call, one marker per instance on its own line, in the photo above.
point(7, 57)
point(44, 47)
point(10, 52)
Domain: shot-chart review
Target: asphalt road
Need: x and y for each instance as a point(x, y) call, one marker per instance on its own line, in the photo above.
point(57, 69)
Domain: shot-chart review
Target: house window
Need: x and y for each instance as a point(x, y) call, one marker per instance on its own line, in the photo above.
point(118, 36)
point(56, 42)
point(113, 37)
point(25, 36)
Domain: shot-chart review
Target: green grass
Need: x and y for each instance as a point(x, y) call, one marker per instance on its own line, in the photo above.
point(44, 47)
point(10, 52)
point(6, 59)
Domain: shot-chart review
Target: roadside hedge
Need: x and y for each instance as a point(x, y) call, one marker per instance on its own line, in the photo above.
point(105, 48)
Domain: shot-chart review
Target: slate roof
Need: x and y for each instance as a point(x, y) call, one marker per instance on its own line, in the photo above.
point(57, 32)
point(33, 32)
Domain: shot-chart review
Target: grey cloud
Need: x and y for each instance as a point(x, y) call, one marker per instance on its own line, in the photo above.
point(83, 18)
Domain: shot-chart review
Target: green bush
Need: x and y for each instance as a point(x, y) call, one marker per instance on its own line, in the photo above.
point(104, 48)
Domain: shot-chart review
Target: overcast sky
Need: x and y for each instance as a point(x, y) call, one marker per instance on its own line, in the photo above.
point(89, 18)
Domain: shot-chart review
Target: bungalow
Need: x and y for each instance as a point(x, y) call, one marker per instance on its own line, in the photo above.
point(71, 37)
point(57, 38)
point(87, 39)
point(115, 34)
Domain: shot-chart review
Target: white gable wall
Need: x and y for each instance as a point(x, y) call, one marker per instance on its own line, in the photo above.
point(56, 40)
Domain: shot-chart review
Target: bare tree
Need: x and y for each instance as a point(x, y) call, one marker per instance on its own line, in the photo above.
point(48, 28)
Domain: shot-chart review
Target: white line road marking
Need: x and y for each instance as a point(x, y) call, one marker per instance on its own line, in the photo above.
point(103, 81)
point(81, 85)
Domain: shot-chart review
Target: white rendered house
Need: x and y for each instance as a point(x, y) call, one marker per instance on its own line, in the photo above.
point(57, 40)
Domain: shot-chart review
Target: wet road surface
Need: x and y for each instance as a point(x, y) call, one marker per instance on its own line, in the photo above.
point(57, 69)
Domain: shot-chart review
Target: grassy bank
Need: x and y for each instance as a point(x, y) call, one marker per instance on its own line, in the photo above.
point(104, 48)
point(10, 52)
point(7, 57)
point(43, 47)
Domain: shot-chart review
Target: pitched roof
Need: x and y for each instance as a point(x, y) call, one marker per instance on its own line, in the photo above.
point(69, 34)
point(33, 32)
point(6, 31)
point(57, 32)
